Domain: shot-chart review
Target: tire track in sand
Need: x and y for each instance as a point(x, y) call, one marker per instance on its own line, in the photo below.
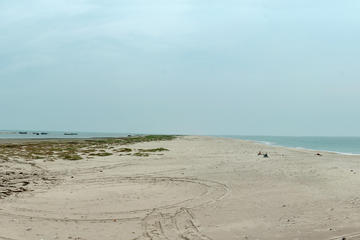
point(180, 225)
point(211, 192)
point(353, 236)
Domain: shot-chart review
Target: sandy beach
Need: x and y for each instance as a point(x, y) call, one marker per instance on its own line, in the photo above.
point(196, 188)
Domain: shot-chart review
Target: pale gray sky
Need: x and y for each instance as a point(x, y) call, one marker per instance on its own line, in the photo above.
point(272, 67)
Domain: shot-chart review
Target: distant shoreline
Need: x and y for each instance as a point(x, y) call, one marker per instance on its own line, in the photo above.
point(269, 143)
point(34, 140)
point(49, 135)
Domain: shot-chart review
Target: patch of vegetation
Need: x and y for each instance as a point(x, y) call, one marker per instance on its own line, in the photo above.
point(85, 151)
point(71, 157)
point(10, 146)
point(76, 149)
point(101, 154)
point(139, 154)
point(124, 150)
point(154, 150)
point(130, 140)
point(149, 138)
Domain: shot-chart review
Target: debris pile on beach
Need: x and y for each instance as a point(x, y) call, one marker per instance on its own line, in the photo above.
point(16, 181)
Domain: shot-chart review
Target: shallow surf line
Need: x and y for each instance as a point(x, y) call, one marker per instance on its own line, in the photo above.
point(275, 144)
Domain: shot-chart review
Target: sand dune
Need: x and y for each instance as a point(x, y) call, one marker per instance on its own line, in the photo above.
point(203, 188)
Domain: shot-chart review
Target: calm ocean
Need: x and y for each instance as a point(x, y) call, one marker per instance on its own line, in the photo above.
point(23, 134)
point(345, 145)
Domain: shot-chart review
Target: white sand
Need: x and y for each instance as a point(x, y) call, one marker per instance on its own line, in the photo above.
point(203, 188)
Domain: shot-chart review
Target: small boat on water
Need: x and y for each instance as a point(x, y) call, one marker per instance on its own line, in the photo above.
point(23, 132)
point(70, 134)
point(44, 133)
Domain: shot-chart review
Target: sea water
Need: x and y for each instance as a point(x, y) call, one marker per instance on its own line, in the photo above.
point(24, 134)
point(345, 145)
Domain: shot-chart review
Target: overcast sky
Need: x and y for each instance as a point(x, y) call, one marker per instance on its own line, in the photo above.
point(271, 67)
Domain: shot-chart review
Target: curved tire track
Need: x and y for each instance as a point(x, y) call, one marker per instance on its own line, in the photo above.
point(213, 192)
